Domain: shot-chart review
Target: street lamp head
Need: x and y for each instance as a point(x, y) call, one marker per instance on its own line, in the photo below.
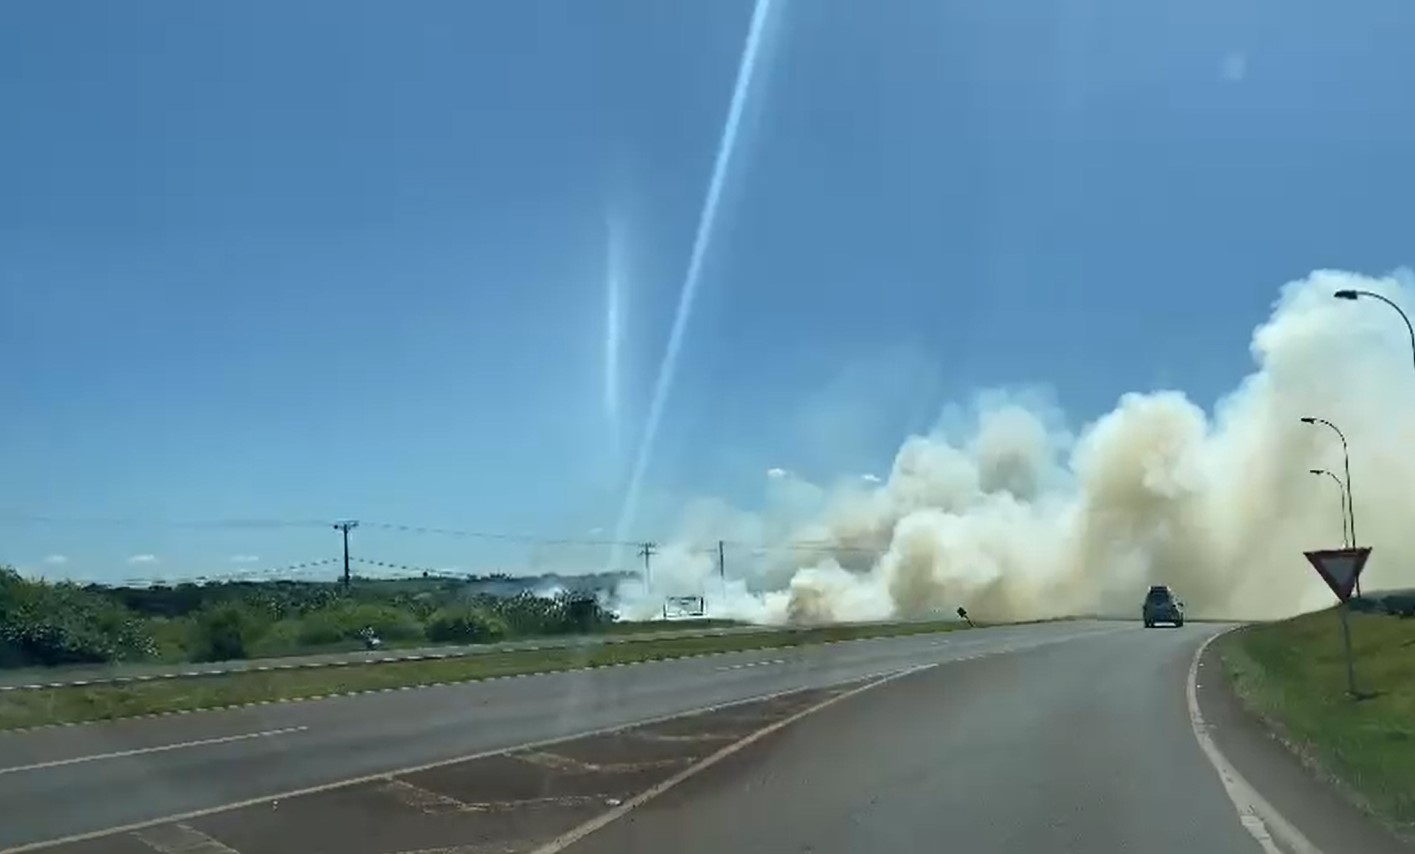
point(1309, 420)
point(1345, 294)
point(1317, 471)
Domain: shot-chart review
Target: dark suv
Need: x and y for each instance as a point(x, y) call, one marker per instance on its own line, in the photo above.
point(1162, 606)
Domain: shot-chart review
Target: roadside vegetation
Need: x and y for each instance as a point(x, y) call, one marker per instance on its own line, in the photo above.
point(101, 702)
point(46, 624)
point(1293, 675)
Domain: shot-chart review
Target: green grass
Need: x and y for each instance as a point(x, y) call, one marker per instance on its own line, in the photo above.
point(103, 702)
point(170, 636)
point(635, 627)
point(1293, 674)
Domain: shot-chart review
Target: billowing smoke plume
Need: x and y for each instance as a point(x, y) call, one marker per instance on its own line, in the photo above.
point(1025, 519)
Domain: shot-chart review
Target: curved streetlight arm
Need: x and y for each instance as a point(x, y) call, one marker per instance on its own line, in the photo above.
point(1340, 491)
point(1346, 463)
point(1353, 294)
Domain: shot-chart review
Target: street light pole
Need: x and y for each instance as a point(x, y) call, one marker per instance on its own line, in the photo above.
point(1353, 295)
point(1346, 464)
point(1341, 491)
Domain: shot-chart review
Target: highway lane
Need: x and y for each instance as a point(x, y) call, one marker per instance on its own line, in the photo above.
point(1079, 747)
point(68, 780)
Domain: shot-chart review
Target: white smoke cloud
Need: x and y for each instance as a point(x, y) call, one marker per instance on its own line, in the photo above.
point(1021, 518)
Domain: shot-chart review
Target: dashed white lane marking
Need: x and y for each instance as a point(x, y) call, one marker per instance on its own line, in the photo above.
point(423, 800)
point(181, 839)
point(225, 739)
point(1260, 818)
point(474, 848)
point(743, 664)
point(570, 837)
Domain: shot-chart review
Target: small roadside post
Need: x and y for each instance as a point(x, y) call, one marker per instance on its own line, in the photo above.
point(963, 612)
point(1340, 568)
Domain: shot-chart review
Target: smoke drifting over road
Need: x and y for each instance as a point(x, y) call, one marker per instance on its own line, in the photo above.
point(1024, 518)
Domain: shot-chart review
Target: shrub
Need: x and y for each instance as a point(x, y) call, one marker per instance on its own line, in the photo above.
point(224, 632)
point(63, 623)
point(346, 620)
point(465, 624)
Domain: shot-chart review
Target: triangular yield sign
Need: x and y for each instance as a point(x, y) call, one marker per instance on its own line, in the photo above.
point(1339, 568)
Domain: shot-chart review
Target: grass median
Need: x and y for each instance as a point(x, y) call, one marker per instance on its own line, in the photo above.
point(104, 702)
point(1293, 675)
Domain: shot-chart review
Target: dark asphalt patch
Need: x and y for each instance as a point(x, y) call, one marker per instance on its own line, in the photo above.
point(502, 804)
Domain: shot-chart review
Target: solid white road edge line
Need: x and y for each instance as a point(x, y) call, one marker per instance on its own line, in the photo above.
point(1260, 818)
point(225, 739)
point(565, 840)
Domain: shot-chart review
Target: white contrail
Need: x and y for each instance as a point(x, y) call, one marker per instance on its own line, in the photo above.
point(701, 240)
point(613, 325)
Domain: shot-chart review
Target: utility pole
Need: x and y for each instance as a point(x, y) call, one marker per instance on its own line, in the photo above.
point(646, 551)
point(721, 572)
point(346, 526)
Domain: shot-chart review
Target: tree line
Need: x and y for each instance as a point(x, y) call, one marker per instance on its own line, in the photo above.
point(53, 623)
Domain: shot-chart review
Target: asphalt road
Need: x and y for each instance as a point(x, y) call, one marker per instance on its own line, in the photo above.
point(1086, 746)
point(1065, 737)
point(69, 780)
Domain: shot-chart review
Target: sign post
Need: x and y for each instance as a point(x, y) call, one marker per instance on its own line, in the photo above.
point(1340, 568)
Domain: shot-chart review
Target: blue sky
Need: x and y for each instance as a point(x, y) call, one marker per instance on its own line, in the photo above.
point(309, 260)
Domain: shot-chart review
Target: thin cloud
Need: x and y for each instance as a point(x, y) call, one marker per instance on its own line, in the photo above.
point(1235, 66)
point(56, 560)
point(870, 478)
point(245, 558)
point(142, 558)
point(776, 473)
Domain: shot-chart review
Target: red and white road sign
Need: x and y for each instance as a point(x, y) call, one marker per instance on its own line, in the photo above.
point(1339, 568)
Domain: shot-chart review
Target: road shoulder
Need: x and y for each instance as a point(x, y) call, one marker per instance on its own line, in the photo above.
point(1315, 806)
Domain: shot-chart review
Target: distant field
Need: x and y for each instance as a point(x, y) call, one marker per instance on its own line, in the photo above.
point(1293, 674)
point(87, 703)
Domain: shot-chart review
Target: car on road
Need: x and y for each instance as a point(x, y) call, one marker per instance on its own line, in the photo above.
point(1162, 606)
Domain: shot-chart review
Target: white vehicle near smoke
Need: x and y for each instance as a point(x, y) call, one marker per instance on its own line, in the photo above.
point(684, 607)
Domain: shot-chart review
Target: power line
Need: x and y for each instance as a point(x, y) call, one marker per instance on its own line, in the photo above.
point(139, 522)
point(490, 535)
point(259, 523)
point(798, 546)
point(208, 578)
point(441, 573)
